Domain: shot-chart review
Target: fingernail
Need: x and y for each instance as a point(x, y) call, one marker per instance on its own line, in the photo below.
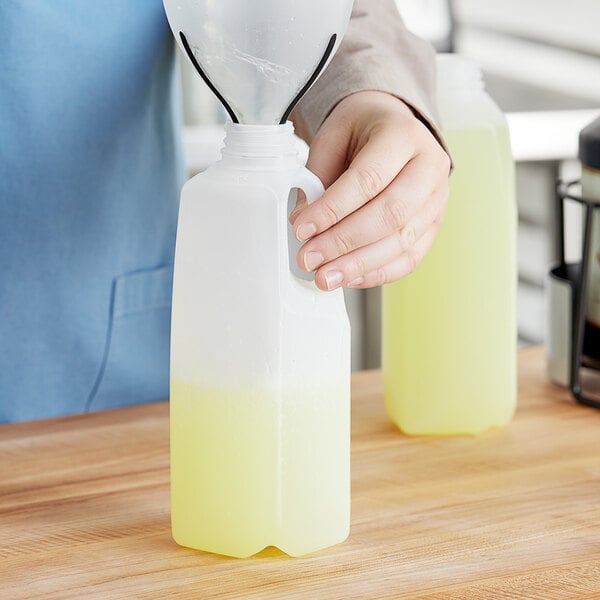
point(333, 279)
point(357, 281)
point(305, 231)
point(312, 260)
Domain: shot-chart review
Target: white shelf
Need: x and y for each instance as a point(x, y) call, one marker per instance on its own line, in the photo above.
point(547, 135)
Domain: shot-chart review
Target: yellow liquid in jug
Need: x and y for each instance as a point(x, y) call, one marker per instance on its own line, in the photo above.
point(258, 468)
point(449, 329)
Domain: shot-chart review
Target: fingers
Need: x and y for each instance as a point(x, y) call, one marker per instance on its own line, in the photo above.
point(371, 171)
point(363, 267)
point(402, 265)
point(378, 263)
point(409, 205)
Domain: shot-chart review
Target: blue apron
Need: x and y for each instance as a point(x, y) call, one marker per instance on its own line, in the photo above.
point(90, 172)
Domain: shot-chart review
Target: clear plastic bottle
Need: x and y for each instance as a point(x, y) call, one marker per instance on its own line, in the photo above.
point(260, 56)
point(260, 363)
point(449, 329)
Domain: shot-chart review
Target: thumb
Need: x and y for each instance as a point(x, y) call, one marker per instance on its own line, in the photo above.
point(328, 153)
point(327, 158)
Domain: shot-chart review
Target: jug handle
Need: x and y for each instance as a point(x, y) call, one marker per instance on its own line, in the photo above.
point(313, 189)
point(309, 183)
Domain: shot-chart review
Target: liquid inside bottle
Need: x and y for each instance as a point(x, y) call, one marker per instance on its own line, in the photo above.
point(255, 468)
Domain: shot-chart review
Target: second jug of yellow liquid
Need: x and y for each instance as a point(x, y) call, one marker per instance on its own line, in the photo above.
point(449, 329)
point(260, 363)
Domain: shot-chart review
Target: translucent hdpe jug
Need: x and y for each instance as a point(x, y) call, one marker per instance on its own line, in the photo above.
point(449, 329)
point(260, 364)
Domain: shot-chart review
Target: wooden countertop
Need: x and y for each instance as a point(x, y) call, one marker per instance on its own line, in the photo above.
point(513, 513)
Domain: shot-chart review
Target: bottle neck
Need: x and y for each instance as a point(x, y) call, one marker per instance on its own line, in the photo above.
point(457, 74)
point(462, 100)
point(259, 147)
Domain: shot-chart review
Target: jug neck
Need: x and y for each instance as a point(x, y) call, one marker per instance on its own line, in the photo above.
point(457, 74)
point(260, 147)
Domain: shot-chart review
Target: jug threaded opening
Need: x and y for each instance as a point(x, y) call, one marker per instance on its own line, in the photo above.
point(259, 141)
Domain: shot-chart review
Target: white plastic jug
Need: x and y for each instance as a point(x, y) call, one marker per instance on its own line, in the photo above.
point(259, 57)
point(260, 364)
point(449, 329)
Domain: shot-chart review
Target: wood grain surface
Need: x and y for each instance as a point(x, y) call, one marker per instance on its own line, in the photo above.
point(513, 513)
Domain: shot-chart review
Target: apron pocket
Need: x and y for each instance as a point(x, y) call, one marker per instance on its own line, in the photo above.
point(135, 366)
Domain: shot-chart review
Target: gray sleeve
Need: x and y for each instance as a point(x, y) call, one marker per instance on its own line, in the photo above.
point(377, 53)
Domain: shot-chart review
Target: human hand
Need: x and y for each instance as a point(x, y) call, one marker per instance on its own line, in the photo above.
point(386, 180)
